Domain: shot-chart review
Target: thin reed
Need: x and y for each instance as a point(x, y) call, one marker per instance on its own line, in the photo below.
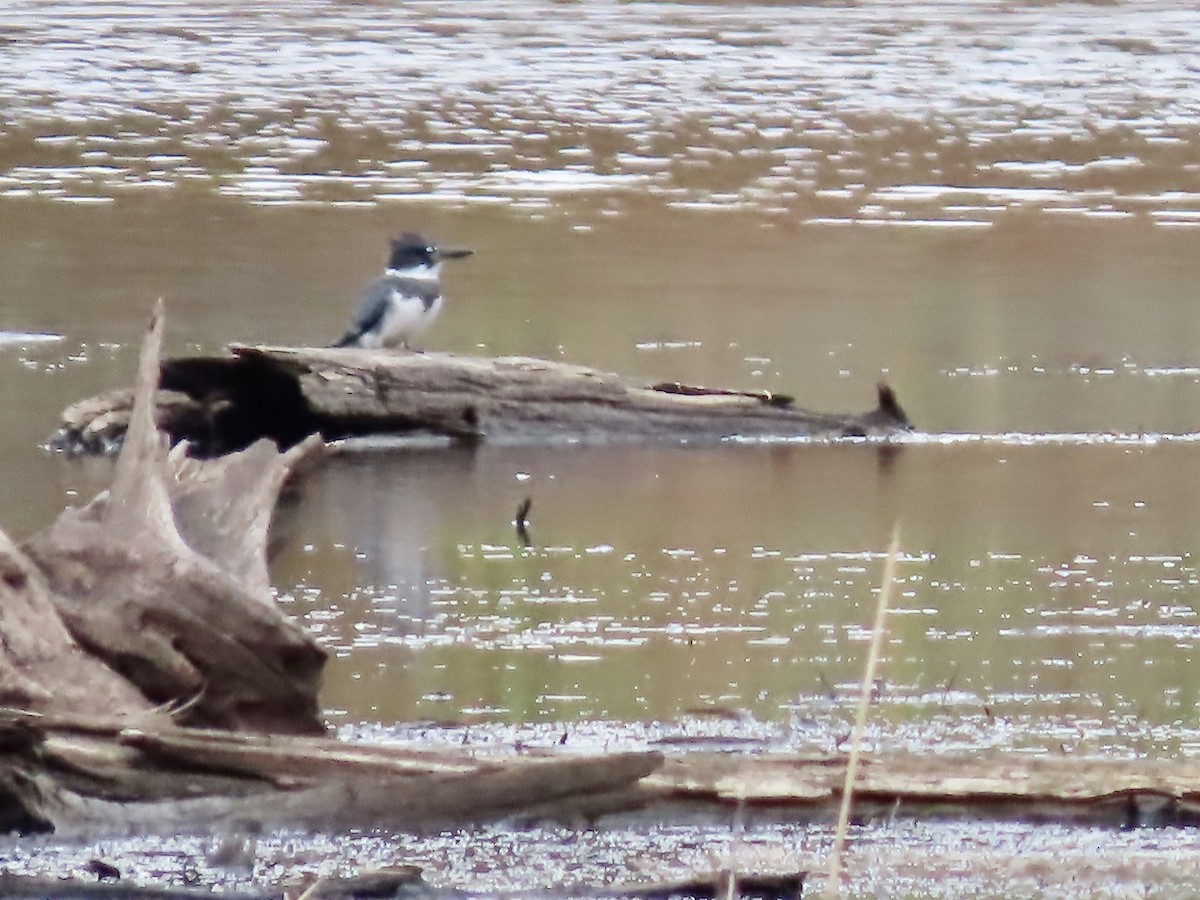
point(833, 885)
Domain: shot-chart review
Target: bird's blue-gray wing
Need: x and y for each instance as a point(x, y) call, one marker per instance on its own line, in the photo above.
point(372, 306)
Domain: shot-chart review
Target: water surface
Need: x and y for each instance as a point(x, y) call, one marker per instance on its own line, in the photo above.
point(992, 207)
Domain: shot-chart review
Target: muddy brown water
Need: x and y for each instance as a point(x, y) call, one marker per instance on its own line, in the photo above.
point(993, 207)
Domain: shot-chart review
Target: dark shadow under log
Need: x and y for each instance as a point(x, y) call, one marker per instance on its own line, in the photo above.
point(224, 403)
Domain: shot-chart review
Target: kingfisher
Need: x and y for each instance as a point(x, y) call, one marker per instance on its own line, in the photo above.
point(400, 304)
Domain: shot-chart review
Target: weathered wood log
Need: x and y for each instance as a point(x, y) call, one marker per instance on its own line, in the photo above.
point(163, 582)
point(82, 776)
point(1068, 789)
point(224, 403)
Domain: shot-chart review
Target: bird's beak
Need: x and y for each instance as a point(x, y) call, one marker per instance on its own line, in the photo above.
point(454, 253)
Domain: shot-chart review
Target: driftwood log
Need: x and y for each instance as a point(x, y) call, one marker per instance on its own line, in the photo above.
point(224, 403)
point(1125, 793)
point(81, 776)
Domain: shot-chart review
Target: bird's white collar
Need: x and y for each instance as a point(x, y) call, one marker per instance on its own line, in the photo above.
point(418, 273)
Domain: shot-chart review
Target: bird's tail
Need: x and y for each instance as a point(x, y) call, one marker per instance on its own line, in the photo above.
point(349, 339)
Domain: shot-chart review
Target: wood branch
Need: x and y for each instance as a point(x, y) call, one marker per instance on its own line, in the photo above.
point(288, 393)
point(179, 626)
point(138, 502)
point(235, 535)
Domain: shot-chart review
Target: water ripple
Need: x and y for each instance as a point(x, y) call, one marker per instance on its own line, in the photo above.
point(927, 115)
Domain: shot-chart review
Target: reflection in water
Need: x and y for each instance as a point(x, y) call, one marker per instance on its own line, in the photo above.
point(391, 526)
point(1042, 599)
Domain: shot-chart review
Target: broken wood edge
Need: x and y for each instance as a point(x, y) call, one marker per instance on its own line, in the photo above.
point(138, 498)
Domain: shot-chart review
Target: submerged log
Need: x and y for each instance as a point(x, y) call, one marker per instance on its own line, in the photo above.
point(223, 403)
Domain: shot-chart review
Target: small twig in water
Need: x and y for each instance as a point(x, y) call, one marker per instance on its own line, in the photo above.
point(949, 685)
point(833, 885)
point(522, 521)
point(102, 870)
point(830, 692)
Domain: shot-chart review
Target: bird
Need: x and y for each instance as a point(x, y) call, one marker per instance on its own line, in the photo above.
point(400, 304)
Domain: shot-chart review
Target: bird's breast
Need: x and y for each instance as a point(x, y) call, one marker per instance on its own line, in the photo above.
point(407, 316)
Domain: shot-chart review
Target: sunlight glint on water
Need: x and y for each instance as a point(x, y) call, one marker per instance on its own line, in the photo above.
point(993, 208)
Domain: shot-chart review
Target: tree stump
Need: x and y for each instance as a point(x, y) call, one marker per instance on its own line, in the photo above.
point(163, 581)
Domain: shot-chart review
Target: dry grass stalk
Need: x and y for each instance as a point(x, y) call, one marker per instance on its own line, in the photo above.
point(833, 885)
point(739, 825)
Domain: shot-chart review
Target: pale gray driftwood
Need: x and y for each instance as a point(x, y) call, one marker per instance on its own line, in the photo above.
point(164, 579)
point(83, 776)
point(42, 666)
point(86, 776)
